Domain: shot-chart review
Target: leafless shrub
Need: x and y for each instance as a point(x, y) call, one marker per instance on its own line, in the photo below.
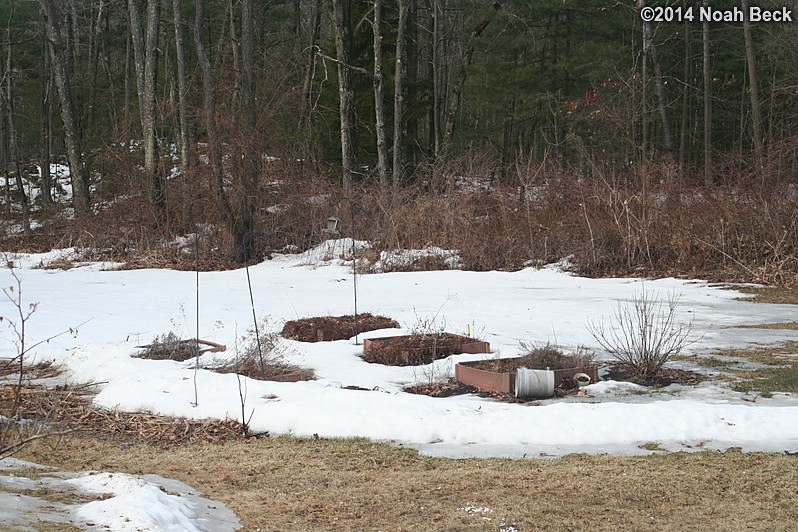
point(16, 429)
point(643, 334)
point(261, 357)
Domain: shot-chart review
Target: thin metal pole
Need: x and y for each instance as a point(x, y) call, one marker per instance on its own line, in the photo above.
point(354, 268)
point(197, 353)
point(255, 321)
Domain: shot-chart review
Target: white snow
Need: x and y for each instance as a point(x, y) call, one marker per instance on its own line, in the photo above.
point(121, 502)
point(119, 310)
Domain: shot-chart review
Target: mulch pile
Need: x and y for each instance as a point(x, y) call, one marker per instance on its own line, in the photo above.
point(413, 349)
point(329, 328)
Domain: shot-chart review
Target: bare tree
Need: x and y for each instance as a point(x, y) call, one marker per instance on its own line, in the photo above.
point(379, 97)
point(459, 82)
point(145, 54)
point(342, 11)
point(662, 101)
point(78, 171)
point(10, 113)
point(244, 227)
point(708, 177)
point(399, 92)
point(47, 122)
point(756, 112)
point(182, 88)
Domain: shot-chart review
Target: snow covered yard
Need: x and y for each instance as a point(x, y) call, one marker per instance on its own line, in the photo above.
point(118, 310)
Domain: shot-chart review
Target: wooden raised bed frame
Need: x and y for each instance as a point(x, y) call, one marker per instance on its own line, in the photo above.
point(504, 382)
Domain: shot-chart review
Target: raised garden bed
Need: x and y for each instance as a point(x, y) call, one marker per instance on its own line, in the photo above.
point(416, 349)
point(329, 328)
point(498, 375)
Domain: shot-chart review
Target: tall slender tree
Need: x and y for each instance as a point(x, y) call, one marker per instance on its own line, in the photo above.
point(72, 135)
point(753, 86)
point(399, 91)
point(342, 14)
point(145, 53)
point(379, 97)
point(707, 74)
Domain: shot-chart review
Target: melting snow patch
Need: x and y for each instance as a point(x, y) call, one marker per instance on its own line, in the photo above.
point(476, 510)
point(122, 502)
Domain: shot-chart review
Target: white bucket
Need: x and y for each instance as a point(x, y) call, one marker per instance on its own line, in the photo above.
point(534, 383)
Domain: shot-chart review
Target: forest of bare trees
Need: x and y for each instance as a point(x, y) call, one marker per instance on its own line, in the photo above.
point(236, 113)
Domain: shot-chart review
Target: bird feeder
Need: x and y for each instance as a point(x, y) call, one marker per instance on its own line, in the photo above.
point(332, 225)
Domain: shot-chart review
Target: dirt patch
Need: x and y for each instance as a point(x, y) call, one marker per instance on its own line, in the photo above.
point(329, 328)
point(414, 349)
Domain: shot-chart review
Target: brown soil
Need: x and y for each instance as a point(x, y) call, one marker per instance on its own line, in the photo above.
point(414, 349)
point(329, 328)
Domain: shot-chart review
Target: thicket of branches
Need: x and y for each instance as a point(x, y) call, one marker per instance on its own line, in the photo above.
point(515, 132)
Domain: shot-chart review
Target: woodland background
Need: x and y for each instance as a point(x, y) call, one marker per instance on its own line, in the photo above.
point(517, 133)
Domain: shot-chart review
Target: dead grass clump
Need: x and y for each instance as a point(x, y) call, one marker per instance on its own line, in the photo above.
point(328, 328)
point(169, 346)
point(250, 366)
point(261, 354)
point(550, 356)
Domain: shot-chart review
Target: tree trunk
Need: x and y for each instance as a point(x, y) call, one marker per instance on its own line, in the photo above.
point(307, 91)
point(379, 98)
point(245, 233)
point(95, 60)
point(346, 88)
point(47, 122)
point(12, 127)
point(708, 177)
point(686, 83)
point(399, 92)
point(459, 83)
point(662, 101)
point(78, 172)
point(209, 109)
point(145, 54)
point(182, 89)
point(756, 112)
point(437, 89)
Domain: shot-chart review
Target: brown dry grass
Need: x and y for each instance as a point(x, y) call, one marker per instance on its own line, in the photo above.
point(306, 484)
point(768, 294)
